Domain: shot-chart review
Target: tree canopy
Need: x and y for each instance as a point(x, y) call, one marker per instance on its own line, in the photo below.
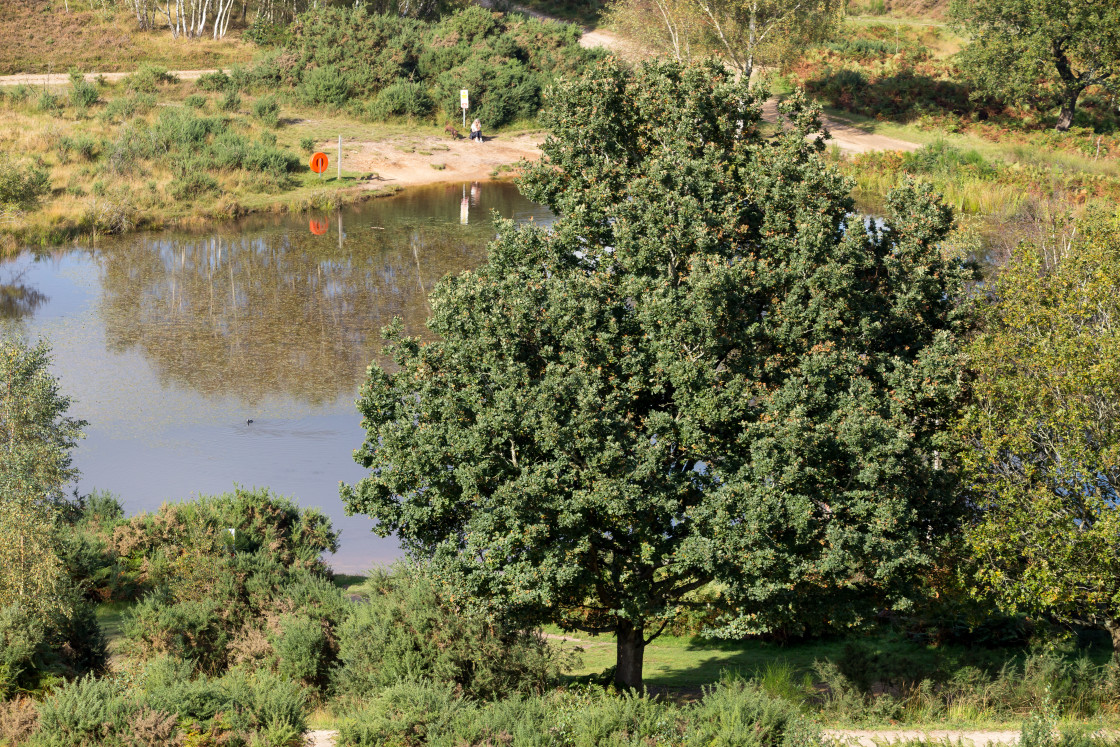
point(745, 33)
point(1041, 52)
point(1044, 425)
point(707, 370)
point(36, 438)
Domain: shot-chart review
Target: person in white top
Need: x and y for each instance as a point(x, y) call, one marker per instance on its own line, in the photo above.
point(476, 130)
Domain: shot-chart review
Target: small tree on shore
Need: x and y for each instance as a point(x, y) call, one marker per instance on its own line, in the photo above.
point(1041, 52)
point(36, 440)
point(1044, 470)
point(705, 370)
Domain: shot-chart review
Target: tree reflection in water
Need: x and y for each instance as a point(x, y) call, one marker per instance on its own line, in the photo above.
point(18, 299)
point(275, 313)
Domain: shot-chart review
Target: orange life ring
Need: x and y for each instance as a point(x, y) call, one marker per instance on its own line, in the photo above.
point(319, 163)
point(318, 227)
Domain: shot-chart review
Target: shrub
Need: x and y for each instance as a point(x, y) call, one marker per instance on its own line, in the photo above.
point(324, 85)
point(230, 102)
point(19, 718)
point(20, 93)
point(126, 106)
point(82, 146)
point(267, 110)
point(82, 93)
point(304, 651)
point(22, 185)
point(85, 711)
point(23, 643)
point(148, 78)
point(407, 631)
point(216, 81)
point(48, 102)
point(307, 144)
point(192, 184)
point(195, 101)
point(732, 713)
point(402, 99)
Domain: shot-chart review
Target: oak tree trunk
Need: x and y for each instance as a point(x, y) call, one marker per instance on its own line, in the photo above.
point(1069, 106)
point(1114, 631)
point(629, 655)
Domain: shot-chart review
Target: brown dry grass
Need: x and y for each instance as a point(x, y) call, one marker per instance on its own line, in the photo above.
point(39, 36)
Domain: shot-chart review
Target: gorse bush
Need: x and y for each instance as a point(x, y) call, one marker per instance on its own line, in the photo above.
point(168, 705)
point(230, 101)
point(267, 110)
point(324, 85)
point(408, 631)
point(148, 79)
point(733, 713)
point(216, 81)
point(22, 185)
point(82, 93)
point(415, 68)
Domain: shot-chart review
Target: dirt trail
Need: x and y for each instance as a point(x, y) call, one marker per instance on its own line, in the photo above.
point(62, 79)
point(839, 737)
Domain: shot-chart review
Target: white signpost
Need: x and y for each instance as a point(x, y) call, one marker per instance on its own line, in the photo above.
point(465, 102)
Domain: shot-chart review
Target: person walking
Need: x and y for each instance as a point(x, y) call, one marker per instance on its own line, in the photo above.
point(476, 130)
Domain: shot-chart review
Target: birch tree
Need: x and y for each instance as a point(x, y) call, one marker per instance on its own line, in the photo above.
point(36, 440)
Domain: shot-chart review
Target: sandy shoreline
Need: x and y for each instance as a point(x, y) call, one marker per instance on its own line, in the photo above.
point(415, 160)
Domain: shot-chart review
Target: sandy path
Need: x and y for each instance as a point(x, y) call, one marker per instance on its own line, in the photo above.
point(841, 737)
point(409, 160)
point(61, 79)
point(874, 738)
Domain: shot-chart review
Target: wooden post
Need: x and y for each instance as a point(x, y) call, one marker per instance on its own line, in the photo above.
point(339, 157)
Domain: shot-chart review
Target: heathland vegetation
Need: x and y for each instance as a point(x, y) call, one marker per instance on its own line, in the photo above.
point(757, 438)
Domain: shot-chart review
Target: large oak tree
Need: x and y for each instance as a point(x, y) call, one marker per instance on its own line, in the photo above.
point(708, 369)
point(1041, 52)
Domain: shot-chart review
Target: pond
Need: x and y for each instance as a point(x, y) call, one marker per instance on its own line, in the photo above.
point(171, 342)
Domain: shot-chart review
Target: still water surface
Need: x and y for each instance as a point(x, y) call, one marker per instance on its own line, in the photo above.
point(170, 342)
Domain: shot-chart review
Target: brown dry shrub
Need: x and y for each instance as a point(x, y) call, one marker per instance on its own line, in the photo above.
point(250, 646)
point(19, 719)
point(148, 728)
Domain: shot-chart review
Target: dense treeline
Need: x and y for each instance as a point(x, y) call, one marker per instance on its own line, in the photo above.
point(388, 65)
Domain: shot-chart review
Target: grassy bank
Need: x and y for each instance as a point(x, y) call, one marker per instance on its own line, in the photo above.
point(151, 152)
point(51, 36)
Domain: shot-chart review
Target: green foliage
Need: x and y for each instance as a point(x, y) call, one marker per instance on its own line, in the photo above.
point(125, 107)
point(1043, 464)
point(216, 81)
point(148, 78)
point(22, 647)
point(48, 102)
point(195, 101)
point(402, 99)
point(82, 93)
point(168, 705)
point(215, 608)
point(943, 159)
point(267, 110)
point(36, 465)
point(230, 101)
point(408, 631)
point(695, 375)
point(732, 713)
point(324, 85)
point(307, 144)
point(22, 185)
point(1044, 53)
point(82, 146)
point(412, 68)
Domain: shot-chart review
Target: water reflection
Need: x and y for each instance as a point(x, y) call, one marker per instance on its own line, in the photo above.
point(170, 342)
point(17, 299)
